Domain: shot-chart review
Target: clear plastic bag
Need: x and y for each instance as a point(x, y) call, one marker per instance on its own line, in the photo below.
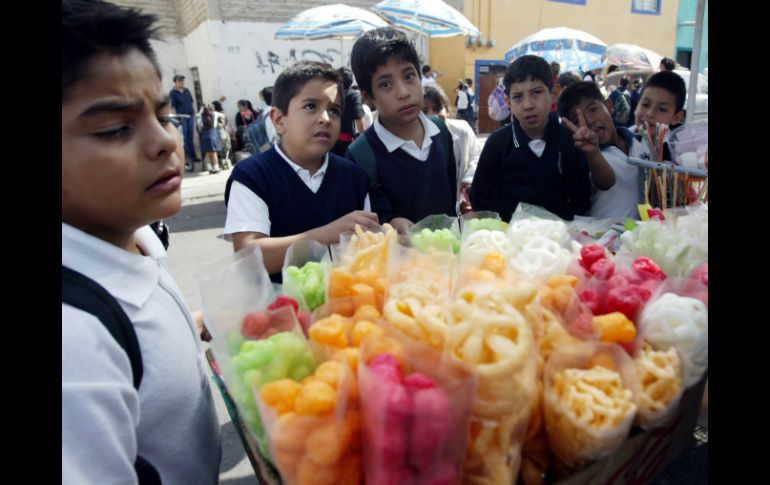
point(306, 273)
point(474, 221)
point(436, 233)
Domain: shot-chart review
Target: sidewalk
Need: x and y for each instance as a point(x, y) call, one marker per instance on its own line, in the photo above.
point(197, 186)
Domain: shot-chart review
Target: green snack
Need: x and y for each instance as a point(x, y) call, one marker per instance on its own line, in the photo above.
point(488, 223)
point(306, 285)
point(439, 239)
point(234, 341)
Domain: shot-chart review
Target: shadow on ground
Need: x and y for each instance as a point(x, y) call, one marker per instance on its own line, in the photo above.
point(193, 217)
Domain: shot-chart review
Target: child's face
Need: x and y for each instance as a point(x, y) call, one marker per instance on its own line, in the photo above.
point(397, 92)
point(597, 117)
point(657, 106)
point(530, 103)
point(311, 126)
point(431, 109)
point(121, 155)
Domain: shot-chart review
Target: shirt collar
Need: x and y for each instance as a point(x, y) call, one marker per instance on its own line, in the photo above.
point(624, 133)
point(521, 139)
point(129, 277)
point(392, 142)
point(297, 169)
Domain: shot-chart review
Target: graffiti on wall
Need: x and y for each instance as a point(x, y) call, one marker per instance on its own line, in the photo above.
point(275, 63)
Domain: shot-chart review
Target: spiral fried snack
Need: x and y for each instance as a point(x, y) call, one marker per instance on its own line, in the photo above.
point(660, 375)
point(489, 332)
point(590, 402)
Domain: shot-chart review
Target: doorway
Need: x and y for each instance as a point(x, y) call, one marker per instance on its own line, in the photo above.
point(487, 73)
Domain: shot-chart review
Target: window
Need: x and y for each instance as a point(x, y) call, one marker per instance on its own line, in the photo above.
point(646, 7)
point(574, 2)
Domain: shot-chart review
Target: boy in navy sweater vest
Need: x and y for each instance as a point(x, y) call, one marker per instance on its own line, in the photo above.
point(536, 159)
point(297, 189)
point(414, 180)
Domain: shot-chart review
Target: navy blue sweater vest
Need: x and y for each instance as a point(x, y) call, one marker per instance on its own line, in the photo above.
point(409, 187)
point(293, 207)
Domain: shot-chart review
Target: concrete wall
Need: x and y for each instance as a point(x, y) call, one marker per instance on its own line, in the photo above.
point(277, 10)
point(685, 34)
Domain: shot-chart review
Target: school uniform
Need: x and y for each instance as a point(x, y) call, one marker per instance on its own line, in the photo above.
point(413, 182)
point(171, 420)
point(549, 172)
point(269, 194)
point(620, 200)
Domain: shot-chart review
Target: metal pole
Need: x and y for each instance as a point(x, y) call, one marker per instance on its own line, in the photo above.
point(695, 63)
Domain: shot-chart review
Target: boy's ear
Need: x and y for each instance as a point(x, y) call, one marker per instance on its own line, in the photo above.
point(610, 106)
point(277, 117)
point(678, 117)
point(367, 98)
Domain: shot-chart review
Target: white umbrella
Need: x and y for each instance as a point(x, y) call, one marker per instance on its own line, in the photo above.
point(629, 57)
point(338, 21)
point(433, 18)
point(573, 49)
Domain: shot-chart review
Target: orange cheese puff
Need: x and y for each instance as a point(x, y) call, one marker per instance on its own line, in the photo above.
point(367, 277)
point(329, 331)
point(309, 473)
point(363, 294)
point(561, 297)
point(340, 281)
point(327, 445)
point(602, 360)
point(367, 312)
point(280, 394)
point(361, 330)
point(561, 280)
point(329, 372)
point(350, 354)
point(344, 307)
point(287, 462)
point(615, 327)
point(379, 344)
point(315, 398)
point(290, 433)
point(493, 262)
point(380, 285)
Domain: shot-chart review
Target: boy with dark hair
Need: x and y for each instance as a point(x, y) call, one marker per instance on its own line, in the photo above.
point(617, 144)
point(297, 189)
point(537, 160)
point(136, 401)
point(407, 155)
point(662, 100)
point(667, 64)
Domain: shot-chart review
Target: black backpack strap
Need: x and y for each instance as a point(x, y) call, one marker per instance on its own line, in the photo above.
point(364, 157)
point(86, 294)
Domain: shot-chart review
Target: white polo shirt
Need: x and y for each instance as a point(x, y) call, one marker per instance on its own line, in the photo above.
point(393, 142)
point(247, 212)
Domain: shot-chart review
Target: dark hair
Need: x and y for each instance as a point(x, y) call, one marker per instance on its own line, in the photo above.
point(347, 77)
point(469, 82)
point(267, 95)
point(668, 64)
point(461, 85)
point(573, 94)
point(624, 82)
point(526, 67)
point(671, 82)
point(425, 69)
point(207, 118)
point(375, 48)
point(245, 102)
point(436, 95)
point(291, 81)
point(93, 27)
point(612, 68)
point(567, 78)
point(555, 67)
point(217, 106)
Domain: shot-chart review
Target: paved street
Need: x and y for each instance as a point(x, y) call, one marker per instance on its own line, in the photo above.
point(196, 240)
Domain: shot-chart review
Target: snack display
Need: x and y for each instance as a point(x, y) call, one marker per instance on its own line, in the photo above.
point(438, 239)
point(660, 376)
point(307, 283)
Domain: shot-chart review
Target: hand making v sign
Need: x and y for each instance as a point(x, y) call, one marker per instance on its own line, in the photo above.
point(586, 140)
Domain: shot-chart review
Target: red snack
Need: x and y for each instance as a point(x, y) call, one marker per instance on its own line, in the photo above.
point(255, 324)
point(602, 268)
point(590, 253)
point(592, 300)
point(648, 269)
point(626, 300)
point(282, 301)
point(582, 325)
point(304, 321)
point(701, 273)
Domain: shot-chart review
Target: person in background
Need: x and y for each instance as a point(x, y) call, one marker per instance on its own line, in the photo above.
point(621, 103)
point(266, 95)
point(667, 64)
point(472, 102)
point(182, 104)
point(564, 80)
point(246, 114)
point(429, 76)
point(224, 135)
point(636, 94)
point(209, 136)
point(555, 69)
point(122, 166)
point(464, 111)
point(368, 115)
point(466, 146)
point(352, 121)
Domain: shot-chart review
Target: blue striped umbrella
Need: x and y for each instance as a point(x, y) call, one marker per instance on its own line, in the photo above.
point(433, 18)
point(338, 21)
point(574, 50)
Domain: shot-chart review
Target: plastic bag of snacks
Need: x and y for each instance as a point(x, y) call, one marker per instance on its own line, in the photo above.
point(436, 233)
point(306, 272)
point(591, 393)
point(314, 425)
point(416, 407)
point(474, 221)
point(253, 343)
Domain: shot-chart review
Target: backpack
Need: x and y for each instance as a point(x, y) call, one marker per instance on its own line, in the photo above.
point(83, 293)
point(622, 107)
point(498, 108)
point(363, 154)
point(255, 135)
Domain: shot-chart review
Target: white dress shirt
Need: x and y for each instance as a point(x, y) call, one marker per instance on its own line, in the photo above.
point(393, 142)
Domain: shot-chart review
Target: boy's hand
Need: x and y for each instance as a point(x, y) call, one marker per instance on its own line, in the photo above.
point(465, 200)
point(401, 224)
point(586, 140)
point(330, 233)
